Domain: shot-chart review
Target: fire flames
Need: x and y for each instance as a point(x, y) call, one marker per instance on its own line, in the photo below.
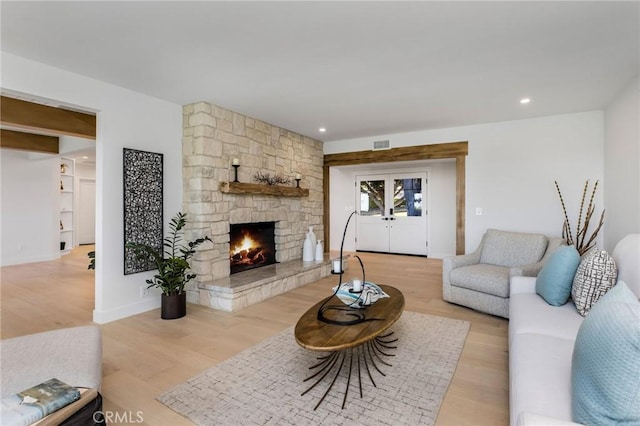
point(246, 244)
point(247, 253)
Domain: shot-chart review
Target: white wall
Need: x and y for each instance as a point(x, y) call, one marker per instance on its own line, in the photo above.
point(125, 119)
point(83, 171)
point(511, 167)
point(30, 208)
point(442, 209)
point(441, 206)
point(622, 164)
point(69, 145)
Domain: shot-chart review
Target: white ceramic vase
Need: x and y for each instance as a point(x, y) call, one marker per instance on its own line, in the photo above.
point(307, 249)
point(314, 240)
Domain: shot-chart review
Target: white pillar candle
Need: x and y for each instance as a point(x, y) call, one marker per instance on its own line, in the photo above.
point(357, 286)
point(337, 266)
point(235, 162)
point(298, 176)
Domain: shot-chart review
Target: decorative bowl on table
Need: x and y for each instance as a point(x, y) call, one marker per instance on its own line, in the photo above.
point(369, 295)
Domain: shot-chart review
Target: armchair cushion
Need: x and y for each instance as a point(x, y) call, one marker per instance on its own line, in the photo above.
point(484, 278)
point(511, 249)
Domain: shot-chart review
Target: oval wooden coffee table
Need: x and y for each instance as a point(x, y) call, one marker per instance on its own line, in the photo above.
point(362, 344)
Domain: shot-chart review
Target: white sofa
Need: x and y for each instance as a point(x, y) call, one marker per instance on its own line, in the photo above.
point(541, 340)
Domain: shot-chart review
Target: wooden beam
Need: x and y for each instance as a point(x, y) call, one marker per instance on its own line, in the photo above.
point(32, 116)
point(29, 141)
point(326, 203)
point(460, 203)
point(408, 153)
point(455, 150)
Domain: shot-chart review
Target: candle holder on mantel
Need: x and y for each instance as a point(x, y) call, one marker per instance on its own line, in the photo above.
point(298, 178)
point(235, 163)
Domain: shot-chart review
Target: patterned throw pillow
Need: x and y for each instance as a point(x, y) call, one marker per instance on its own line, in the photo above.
point(595, 276)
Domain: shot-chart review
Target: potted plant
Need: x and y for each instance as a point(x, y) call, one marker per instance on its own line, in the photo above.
point(172, 265)
point(92, 260)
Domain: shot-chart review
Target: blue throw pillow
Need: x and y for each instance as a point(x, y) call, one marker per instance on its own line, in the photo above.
point(556, 277)
point(605, 369)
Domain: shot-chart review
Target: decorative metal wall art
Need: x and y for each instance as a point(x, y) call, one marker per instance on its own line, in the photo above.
point(143, 219)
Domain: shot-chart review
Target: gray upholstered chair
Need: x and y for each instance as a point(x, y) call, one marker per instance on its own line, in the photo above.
point(480, 280)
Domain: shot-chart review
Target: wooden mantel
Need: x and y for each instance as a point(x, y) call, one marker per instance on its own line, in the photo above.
point(261, 189)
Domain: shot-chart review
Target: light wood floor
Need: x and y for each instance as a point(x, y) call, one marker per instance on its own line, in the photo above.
point(144, 355)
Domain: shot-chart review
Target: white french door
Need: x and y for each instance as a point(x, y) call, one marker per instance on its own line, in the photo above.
point(392, 213)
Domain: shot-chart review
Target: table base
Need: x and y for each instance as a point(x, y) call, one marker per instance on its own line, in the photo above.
point(369, 353)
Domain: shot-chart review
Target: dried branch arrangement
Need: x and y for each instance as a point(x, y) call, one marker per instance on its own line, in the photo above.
point(266, 178)
point(583, 223)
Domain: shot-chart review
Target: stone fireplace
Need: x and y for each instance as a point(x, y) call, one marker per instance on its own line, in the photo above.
point(251, 245)
point(212, 137)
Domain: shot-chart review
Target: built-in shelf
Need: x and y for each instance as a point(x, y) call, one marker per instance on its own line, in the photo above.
point(261, 189)
point(67, 170)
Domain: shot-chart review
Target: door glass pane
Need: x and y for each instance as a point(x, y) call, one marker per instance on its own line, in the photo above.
point(372, 198)
point(407, 197)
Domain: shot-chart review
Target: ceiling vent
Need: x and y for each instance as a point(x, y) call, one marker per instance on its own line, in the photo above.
point(380, 145)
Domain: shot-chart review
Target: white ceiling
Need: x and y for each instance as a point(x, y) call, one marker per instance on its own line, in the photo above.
point(358, 68)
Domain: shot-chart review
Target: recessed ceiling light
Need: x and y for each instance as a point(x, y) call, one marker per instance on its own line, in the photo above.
point(525, 101)
point(322, 129)
point(84, 157)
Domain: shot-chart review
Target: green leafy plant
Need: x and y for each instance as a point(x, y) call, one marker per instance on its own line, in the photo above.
point(92, 260)
point(173, 263)
point(583, 221)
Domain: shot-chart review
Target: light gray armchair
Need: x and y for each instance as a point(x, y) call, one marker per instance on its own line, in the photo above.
point(480, 280)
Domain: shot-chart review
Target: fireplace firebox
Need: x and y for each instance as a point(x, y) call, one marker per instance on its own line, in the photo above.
point(251, 245)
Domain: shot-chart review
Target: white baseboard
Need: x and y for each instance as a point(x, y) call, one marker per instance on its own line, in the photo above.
point(440, 255)
point(31, 259)
point(103, 317)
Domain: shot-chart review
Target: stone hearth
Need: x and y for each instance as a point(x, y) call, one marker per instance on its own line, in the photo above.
point(249, 287)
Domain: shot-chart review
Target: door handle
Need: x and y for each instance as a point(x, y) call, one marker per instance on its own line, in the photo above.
point(385, 218)
point(392, 218)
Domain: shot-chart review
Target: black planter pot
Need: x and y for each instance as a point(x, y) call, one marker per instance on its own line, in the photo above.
point(173, 306)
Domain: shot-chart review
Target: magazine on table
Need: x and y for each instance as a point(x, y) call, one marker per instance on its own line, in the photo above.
point(37, 402)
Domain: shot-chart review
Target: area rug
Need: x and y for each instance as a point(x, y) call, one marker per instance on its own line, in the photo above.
point(263, 384)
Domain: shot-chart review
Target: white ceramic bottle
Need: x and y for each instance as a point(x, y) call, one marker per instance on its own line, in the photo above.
point(319, 252)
